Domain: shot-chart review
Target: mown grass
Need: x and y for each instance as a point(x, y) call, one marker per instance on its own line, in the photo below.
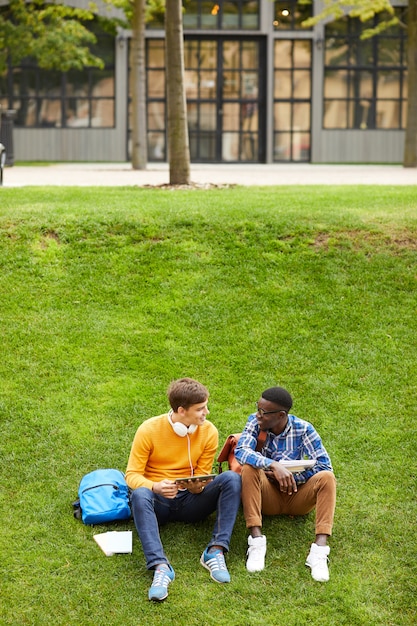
point(107, 295)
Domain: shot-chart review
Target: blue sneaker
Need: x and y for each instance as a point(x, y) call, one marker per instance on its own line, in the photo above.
point(215, 563)
point(164, 574)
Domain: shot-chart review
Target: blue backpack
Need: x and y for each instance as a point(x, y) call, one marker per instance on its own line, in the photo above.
point(103, 497)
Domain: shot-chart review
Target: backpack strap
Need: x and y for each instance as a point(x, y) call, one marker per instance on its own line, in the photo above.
point(261, 440)
point(227, 453)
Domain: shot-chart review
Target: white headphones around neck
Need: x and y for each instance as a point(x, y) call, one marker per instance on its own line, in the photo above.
point(181, 429)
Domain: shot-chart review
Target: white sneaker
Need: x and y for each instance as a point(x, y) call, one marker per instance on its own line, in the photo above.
point(317, 561)
point(256, 553)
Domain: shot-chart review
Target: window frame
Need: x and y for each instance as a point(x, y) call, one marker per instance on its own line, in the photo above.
point(359, 71)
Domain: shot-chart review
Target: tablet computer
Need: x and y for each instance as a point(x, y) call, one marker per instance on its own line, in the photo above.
point(202, 478)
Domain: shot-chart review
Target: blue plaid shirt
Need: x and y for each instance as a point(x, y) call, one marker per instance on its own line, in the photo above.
point(299, 440)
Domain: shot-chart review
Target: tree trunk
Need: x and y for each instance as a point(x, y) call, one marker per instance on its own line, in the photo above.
point(178, 147)
point(138, 87)
point(410, 150)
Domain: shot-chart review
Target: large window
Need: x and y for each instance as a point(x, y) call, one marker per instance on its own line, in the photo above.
point(216, 15)
point(292, 100)
point(74, 99)
point(365, 83)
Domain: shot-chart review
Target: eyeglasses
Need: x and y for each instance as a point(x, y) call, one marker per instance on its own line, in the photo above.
point(262, 412)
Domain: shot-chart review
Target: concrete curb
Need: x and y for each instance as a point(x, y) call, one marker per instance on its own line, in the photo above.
point(206, 175)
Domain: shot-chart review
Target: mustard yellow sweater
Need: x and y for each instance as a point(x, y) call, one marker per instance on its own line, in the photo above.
point(158, 453)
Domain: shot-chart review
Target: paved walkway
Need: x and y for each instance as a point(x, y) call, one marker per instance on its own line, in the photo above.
point(121, 174)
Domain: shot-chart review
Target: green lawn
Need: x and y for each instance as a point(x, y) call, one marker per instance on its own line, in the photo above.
point(109, 294)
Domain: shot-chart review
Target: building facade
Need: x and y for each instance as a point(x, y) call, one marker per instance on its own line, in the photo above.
point(260, 89)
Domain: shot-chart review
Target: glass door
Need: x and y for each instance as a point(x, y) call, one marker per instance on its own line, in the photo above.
point(241, 102)
point(201, 84)
point(225, 100)
point(225, 90)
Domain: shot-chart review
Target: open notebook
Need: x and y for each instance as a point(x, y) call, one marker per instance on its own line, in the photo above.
point(298, 465)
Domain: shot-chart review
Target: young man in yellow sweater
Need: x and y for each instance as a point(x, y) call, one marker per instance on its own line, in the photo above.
point(174, 445)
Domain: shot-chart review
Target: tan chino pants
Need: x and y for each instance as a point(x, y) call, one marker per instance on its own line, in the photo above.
point(261, 496)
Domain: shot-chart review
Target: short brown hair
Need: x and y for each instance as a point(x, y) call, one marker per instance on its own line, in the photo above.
point(185, 392)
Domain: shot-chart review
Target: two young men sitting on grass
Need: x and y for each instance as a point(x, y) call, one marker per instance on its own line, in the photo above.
point(182, 444)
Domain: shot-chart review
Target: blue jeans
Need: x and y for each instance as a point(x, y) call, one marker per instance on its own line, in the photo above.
point(150, 511)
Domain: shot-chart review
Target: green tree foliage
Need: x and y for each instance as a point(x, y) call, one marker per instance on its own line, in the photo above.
point(154, 10)
point(365, 10)
point(53, 34)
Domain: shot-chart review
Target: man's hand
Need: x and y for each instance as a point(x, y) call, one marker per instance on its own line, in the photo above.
point(284, 478)
point(194, 486)
point(166, 488)
point(197, 486)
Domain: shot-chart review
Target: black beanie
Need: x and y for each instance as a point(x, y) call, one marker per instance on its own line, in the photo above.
point(279, 396)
